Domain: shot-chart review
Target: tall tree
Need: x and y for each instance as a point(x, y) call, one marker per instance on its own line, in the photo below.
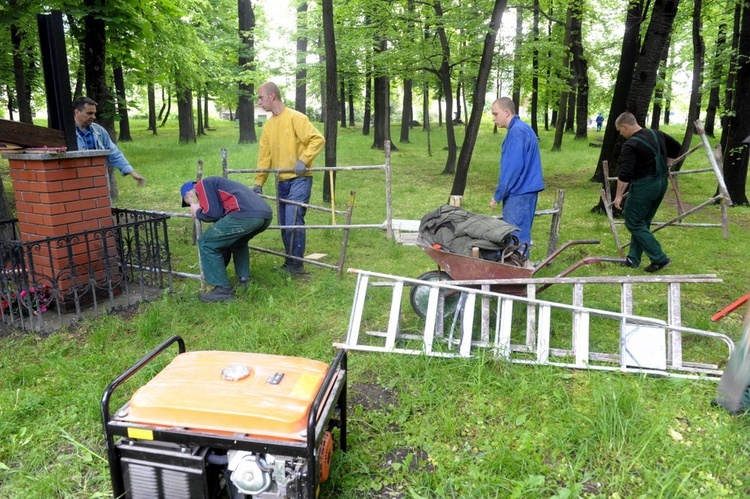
point(246, 105)
point(122, 104)
point(300, 87)
point(331, 129)
point(694, 108)
point(738, 135)
point(477, 105)
point(714, 83)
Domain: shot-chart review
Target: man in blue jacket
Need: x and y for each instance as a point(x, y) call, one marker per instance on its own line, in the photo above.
point(239, 214)
point(520, 171)
point(93, 136)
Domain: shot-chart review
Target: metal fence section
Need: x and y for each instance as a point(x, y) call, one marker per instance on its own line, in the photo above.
point(466, 316)
point(42, 282)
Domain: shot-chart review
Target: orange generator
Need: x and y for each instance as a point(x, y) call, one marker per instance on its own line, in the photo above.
point(226, 425)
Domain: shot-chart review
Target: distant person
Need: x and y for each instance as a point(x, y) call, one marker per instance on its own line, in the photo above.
point(520, 178)
point(239, 214)
point(92, 136)
point(644, 172)
point(289, 141)
point(599, 121)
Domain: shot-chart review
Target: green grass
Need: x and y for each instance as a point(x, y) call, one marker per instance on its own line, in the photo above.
point(419, 427)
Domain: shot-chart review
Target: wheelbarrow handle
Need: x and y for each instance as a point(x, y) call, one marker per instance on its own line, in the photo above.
point(730, 308)
point(559, 250)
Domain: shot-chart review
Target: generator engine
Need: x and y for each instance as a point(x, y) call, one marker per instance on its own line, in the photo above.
point(226, 424)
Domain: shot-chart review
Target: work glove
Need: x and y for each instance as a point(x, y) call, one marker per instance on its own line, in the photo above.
point(300, 167)
point(257, 189)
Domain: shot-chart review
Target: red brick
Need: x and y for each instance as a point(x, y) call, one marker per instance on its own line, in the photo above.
point(92, 171)
point(24, 207)
point(82, 205)
point(94, 192)
point(21, 186)
point(97, 213)
point(34, 164)
point(65, 218)
point(79, 184)
point(45, 187)
point(101, 181)
point(31, 218)
point(30, 197)
point(59, 197)
point(17, 175)
point(54, 175)
point(47, 209)
point(102, 202)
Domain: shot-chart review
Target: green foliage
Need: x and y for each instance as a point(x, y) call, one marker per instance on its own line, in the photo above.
point(419, 427)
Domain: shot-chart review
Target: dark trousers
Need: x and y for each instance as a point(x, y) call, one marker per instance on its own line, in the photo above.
point(228, 236)
point(644, 197)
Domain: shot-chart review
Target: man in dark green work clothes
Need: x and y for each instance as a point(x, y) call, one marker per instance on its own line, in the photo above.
point(644, 171)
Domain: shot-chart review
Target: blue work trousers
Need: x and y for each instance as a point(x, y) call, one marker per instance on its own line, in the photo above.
point(297, 189)
point(519, 210)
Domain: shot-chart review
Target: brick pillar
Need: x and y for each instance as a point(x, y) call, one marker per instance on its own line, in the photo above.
point(59, 195)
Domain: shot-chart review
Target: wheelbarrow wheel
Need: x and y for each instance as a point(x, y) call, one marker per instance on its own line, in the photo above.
point(420, 295)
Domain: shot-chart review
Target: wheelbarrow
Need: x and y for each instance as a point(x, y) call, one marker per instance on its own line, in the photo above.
point(453, 266)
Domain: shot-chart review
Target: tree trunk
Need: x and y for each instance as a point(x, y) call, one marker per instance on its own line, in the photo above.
point(246, 104)
point(331, 130)
point(95, 41)
point(659, 96)
point(612, 141)
point(730, 94)
point(205, 109)
point(535, 71)
point(736, 155)
point(444, 75)
point(713, 94)
point(151, 108)
point(694, 109)
point(300, 87)
point(563, 104)
point(342, 101)
point(644, 78)
point(185, 114)
point(406, 113)
point(199, 111)
point(167, 110)
point(23, 95)
point(477, 103)
point(367, 117)
point(351, 103)
point(122, 104)
point(517, 60)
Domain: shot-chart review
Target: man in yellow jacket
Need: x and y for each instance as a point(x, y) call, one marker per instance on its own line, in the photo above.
point(288, 142)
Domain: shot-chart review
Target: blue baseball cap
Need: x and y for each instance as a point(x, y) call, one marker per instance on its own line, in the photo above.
point(186, 187)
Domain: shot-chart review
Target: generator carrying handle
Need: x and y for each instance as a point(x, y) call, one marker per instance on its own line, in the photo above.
point(117, 484)
point(337, 366)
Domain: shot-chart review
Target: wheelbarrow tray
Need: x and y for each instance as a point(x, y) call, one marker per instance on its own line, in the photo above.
point(467, 268)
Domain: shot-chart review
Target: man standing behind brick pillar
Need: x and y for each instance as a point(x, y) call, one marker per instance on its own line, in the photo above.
point(93, 136)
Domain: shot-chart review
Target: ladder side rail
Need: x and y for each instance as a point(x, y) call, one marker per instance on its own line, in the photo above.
point(467, 325)
point(542, 345)
point(394, 318)
point(355, 319)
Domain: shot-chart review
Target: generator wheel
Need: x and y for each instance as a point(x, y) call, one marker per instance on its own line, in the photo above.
point(420, 295)
point(325, 453)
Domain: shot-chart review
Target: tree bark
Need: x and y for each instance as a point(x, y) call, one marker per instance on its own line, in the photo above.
point(342, 101)
point(406, 113)
point(151, 108)
point(185, 114)
point(95, 42)
point(199, 111)
point(563, 104)
point(477, 103)
point(713, 94)
point(246, 104)
point(122, 104)
point(535, 71)
point(738, 141)
point(300, 87)
point(659, 96)
point(331, 129)
point(612, 142)
point(516, 95)
point(23, 94)
point(694, 108)
point(444, 75)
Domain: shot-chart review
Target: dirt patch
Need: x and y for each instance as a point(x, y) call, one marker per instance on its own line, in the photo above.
point(371, 396)
point(414, 458)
